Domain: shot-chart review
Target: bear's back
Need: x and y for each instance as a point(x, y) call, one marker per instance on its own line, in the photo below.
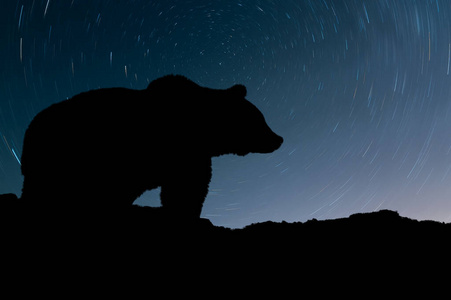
point(88, 142)
point(67, 127)
point(89, 109)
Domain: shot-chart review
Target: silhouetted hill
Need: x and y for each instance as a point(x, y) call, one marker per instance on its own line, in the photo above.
point(380, 229)
point(77, 251)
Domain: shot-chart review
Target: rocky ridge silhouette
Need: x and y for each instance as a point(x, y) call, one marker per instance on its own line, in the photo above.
point(142, 244)
point(378, 228)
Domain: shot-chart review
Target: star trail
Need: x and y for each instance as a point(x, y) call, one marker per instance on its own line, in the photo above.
point(359, 89)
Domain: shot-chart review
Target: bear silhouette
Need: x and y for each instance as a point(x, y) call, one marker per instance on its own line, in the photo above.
point(104, 148)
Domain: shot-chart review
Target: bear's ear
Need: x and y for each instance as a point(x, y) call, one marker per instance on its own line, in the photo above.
point(238, 90)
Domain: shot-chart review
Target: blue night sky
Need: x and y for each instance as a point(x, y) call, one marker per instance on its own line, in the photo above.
point(359, 89)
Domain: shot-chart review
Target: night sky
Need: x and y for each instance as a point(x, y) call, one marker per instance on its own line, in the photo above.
point(359, 89)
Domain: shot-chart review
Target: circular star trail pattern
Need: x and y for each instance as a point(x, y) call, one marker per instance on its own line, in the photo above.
point(359, 89)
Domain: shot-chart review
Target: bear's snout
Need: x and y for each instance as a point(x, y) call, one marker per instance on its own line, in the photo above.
point(278, 141)
point(270, 144)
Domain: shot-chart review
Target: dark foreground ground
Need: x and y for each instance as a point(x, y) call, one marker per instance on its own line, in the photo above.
point(62, 249)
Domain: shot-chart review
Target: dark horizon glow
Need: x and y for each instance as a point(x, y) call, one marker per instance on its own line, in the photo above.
point(360, 91)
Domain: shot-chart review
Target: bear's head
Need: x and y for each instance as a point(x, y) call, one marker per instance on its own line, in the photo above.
point(240, 126)
point(215, 121)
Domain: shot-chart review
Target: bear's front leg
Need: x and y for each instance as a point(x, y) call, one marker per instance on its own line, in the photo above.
point(183, 191)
